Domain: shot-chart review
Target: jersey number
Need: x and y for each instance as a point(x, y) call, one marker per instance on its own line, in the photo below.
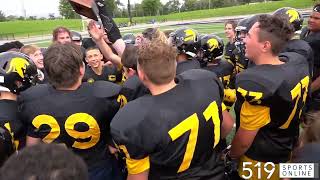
point(192, 124)
point(301, 89)
point(83, 139)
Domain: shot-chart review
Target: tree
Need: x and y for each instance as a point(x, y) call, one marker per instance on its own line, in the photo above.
point(110, 6)
point(67, 11)
point(151, 6)
point(2, 16)
point(51, 16)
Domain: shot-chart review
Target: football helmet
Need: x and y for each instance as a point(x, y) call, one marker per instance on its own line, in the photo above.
point(17, 72)
point(186, 40)
point(6, 145)
point(293, 15)
point(211, 47)
point(129, 38)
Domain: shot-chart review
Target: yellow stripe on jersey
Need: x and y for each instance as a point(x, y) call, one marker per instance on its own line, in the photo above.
point(223, 106)
point(135, 166)
point(260, 170)
point(254, 117)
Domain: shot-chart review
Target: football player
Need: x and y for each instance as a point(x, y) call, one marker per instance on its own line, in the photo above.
point(311, 34)
point(70, 113)
point(132, 88)
point(173, 133)
point(17, 73)
point(186, 40)
point(96, 71)
point(270, 98)
point(211, 52)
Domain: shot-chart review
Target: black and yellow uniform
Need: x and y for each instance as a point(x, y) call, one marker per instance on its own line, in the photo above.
point(173, 134)
point(131, 90)
point(229, 55)
point(79, 119)
point(186, 65)
point(313, 39)
point(11, 129)
point(111, 74)
point(270, 98)
point(224, 71)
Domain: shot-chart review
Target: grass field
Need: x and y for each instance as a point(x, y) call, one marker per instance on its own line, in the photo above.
point(41, 27)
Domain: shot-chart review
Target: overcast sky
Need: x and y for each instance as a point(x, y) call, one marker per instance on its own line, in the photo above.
point(40, 8)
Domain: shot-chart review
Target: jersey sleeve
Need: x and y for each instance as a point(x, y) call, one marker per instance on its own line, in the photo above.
point(255, 108)
point(132, 138)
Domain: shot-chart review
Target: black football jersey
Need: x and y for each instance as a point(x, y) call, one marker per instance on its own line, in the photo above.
point(186, 65)
point(111, 74)
point(79, 119)
point(9, 119)
point(229, 55)
point(175, 133)
point(131, 90)
point(281, 91)
point(223, 70)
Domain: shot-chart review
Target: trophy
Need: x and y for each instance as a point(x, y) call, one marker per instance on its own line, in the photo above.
point(93, 9)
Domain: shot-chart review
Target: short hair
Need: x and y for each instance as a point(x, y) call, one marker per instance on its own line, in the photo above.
point(158, 61)
point(62, 63)
point(44, 162)
point(154, 34)
point(92, 48)
point(59, 30)
point(129, 57)
point(29, 49)
point(233, 24)
point(276, 30)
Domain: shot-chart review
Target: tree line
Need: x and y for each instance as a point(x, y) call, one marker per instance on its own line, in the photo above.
point(145, 8)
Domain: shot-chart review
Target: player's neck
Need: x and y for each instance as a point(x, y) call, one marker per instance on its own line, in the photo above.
point(159, 89)
point(98, 70)
point(8, 96)
point(268, 59)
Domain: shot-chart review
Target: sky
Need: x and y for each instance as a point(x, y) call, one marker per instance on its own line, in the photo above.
point(40, 8)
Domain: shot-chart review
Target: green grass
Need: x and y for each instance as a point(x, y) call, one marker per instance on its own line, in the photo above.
point(42, 27)
point(228, 11)
point(36, 27)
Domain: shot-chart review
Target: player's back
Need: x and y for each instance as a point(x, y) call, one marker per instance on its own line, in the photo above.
point(176, 130)
point(79, 119)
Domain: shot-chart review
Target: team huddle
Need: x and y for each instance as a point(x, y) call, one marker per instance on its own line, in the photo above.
point(159, 105)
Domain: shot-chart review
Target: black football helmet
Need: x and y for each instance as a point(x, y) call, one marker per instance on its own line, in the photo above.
point(186, 40)
point(129, 38)
point(17, 72)
point(211, 47)
point(293, 15)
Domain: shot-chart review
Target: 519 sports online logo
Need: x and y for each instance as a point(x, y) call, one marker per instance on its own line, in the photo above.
point(270, 170)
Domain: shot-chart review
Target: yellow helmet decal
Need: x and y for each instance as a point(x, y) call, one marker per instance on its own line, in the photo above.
point(293, 15)
point(212, 44)
point(18, 65)
point(190, 35)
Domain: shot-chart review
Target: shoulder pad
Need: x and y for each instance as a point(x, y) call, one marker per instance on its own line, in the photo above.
point(102, 89)
point(35, 92)
point(259, 80)
point(132, 82)
point(197, 74)
point(294, 57)
point(299, 46)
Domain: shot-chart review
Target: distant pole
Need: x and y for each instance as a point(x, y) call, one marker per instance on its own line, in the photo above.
point(24, 12)
point(209, 4)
